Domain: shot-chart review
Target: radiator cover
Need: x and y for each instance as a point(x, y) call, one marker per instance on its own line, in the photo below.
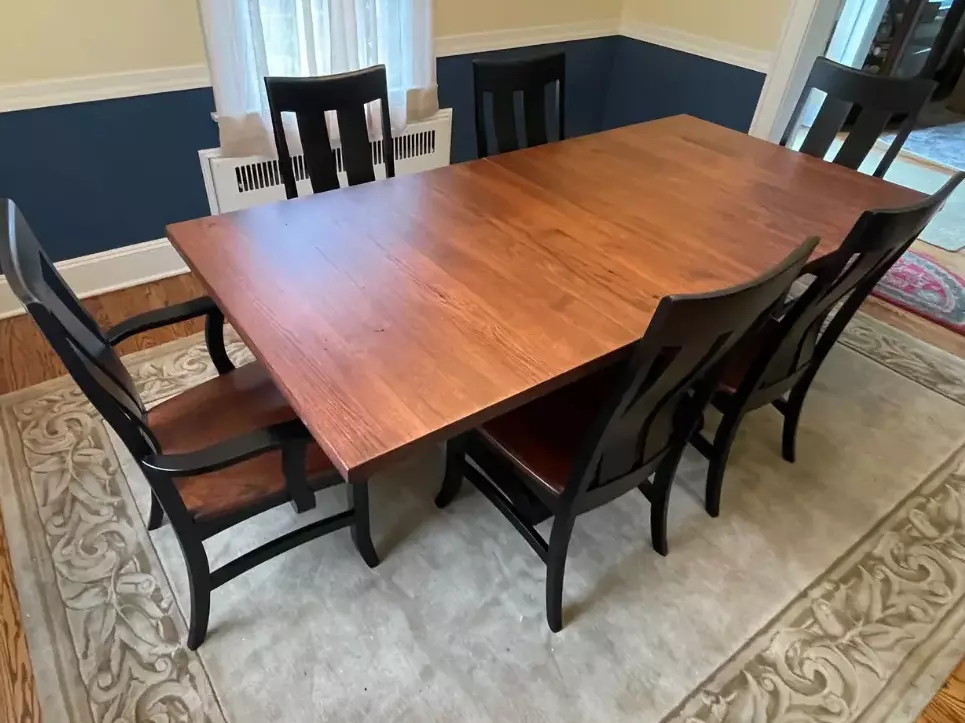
point(236, 183)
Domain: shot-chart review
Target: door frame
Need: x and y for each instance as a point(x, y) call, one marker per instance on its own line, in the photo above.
point(807, 29)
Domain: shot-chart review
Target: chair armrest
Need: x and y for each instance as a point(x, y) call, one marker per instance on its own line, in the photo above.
point(230, 452)
point(160, 317)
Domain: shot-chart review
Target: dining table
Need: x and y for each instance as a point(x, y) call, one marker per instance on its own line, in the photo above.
point(398, 314)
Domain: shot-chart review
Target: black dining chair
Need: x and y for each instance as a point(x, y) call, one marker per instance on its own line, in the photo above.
point(871, 100)
point(345, 94)
point(778, 364)
point(530, 77)
point(599, 438)
point(214, 455)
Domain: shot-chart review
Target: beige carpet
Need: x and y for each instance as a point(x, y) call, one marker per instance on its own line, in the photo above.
point(828, 590)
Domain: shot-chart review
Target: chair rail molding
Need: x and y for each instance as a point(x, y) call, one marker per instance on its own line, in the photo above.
point(83, 89)
point(108, 271)
point(482, 42)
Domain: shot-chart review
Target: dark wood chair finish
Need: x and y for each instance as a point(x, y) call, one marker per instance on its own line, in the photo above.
point(310, 99)
point(787, 353)
point(502, 79)
point(878, 99)
point(215, 455)
point(591, 442)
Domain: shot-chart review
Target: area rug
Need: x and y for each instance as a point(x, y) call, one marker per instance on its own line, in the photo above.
point(921, 285)
point(947, 229)
point(944, 144)
point(832, 589)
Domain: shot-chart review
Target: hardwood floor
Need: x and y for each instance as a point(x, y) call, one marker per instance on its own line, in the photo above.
point(949, 705)
point(26, 359)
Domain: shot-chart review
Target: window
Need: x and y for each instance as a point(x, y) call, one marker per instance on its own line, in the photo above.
point(250, 39)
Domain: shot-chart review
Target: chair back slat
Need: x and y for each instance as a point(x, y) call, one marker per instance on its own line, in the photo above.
point(875, 243)
point(356, 149)
point(345, 95)
point(869, 125)
point(827, 124)
point(317, 152)
point(878, 101)
point(503, 80)
point(672, 371)
point(504, 121)
point(70, 330)
point(534, 114)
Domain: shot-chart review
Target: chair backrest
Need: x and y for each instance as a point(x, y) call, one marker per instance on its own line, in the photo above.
point(310, 99)
point(502, 79)
point(672, 373)
point(71, 331)
point(877, 99)
point(849, 274)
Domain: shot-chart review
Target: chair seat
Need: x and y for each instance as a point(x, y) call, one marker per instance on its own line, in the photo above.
point(544, 437)
point(227, 406)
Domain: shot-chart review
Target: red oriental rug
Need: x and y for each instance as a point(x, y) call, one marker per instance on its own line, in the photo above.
point(922, 285)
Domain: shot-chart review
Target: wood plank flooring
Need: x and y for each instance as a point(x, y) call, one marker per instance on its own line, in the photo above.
point(26, 359)
point(949, 705)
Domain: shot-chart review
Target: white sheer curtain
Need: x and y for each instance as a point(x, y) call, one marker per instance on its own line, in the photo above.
point(250, 39)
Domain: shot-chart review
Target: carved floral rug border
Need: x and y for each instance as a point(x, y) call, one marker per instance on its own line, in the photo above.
point(847, 648)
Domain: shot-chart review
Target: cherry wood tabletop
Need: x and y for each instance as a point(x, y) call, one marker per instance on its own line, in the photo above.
point(409, 310)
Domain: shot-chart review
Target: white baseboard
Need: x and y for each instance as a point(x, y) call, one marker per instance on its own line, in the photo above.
point(447, 45)
point(108, 271)
point(739, 55)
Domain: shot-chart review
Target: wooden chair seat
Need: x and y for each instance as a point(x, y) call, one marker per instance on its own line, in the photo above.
point(544, 437)
point(227, 406)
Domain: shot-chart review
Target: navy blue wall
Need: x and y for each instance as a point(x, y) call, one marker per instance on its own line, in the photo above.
point(96, 176)
point(101, 175)
point(650, 81)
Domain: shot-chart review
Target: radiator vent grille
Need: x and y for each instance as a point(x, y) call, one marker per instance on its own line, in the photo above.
point(233, 183)
point(265, 174)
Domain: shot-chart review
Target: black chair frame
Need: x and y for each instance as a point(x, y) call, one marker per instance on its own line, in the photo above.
point(879, 99)
point(641, 430)
point(91, 361)
point(801, 337)
point(502, 79)
point(346, 95)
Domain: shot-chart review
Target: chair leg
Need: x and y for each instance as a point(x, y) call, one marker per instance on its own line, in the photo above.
point(156, 515)
point(199, 580)
point(555, 567)
point(214, 340)
point(792, 415)
point(723, 441)
point(361, 531)
point(452, 479)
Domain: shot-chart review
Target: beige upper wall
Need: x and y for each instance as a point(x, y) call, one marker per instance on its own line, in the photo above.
point(751, 23)
point(49, 39)
point(457, 17)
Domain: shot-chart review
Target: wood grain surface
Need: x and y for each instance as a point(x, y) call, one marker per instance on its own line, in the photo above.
point(18, 694)
point(948, 706)
point(409, 310)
